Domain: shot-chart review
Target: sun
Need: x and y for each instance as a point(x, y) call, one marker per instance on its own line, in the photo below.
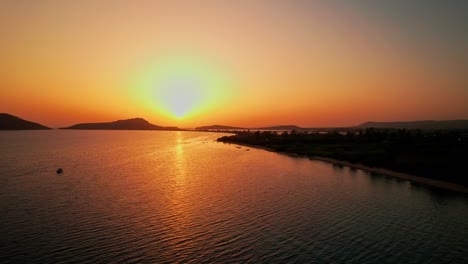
point(182, 93)
point(180, 87)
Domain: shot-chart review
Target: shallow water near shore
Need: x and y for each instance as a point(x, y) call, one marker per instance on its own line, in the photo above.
point(160, 196)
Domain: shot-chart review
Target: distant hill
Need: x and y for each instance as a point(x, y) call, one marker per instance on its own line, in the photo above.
point(10, 122)
point(127, 124)
point(423, 125)
point(281, 127)
point(427, 124)
point(218, 127)
point(221, 127)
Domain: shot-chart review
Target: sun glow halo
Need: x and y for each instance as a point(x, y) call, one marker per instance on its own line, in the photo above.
point(181, 94)
point(182, 87)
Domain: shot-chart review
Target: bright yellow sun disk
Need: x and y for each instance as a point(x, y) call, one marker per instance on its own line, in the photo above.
point(181, 94)
point(181, 87)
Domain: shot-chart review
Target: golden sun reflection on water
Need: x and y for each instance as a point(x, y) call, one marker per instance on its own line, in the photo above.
point(180, 208)
point(180, 163)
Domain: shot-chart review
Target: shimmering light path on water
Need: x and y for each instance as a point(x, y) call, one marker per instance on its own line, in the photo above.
point(148, 196)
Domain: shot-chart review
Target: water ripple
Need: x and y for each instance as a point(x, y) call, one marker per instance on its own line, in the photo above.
point(165, 197)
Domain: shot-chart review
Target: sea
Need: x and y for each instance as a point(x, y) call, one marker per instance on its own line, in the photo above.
point(182, 197)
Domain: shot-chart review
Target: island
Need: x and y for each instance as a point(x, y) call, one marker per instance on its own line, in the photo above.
point(11, 122)
point(226, 128)
point(127, 124)
point(280, 127)
point(219, 127)
point(424, 125)
point(438, 155)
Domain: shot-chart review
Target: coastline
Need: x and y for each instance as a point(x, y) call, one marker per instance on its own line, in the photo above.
point(400, 175)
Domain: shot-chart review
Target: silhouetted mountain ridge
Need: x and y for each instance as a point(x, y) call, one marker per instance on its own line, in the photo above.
point(218, 127)
point(126, 124)
point(425, 124)
point(11, 122)
point(223, 127)
point(280, 127)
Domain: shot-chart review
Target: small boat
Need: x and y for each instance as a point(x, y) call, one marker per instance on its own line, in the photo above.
point(59, 170)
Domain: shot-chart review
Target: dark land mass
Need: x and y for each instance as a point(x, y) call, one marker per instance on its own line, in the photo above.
point(280, 127)
point(219, 127)
point(422, 125)
point(223, 127)
point(10, 122)
point(425, 125)
point(127, 124)
point(439, 155)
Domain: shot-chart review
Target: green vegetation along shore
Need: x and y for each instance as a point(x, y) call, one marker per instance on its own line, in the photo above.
point(434, 155)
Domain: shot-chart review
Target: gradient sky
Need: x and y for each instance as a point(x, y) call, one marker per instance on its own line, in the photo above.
point(243, 63)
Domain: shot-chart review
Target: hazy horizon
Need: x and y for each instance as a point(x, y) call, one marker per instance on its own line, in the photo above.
point(240, 126)
point(242, 63)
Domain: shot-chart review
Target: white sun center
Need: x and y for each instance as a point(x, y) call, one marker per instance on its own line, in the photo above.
point(181, 95)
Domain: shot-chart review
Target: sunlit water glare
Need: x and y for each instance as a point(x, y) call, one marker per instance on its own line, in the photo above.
point(152, 197)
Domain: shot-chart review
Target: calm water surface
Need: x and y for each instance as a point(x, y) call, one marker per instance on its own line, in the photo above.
point(153, 197)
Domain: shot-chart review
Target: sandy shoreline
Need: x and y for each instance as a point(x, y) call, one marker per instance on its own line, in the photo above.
point(412, 178)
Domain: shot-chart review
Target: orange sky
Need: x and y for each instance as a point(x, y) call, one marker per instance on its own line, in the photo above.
point(242, 63)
